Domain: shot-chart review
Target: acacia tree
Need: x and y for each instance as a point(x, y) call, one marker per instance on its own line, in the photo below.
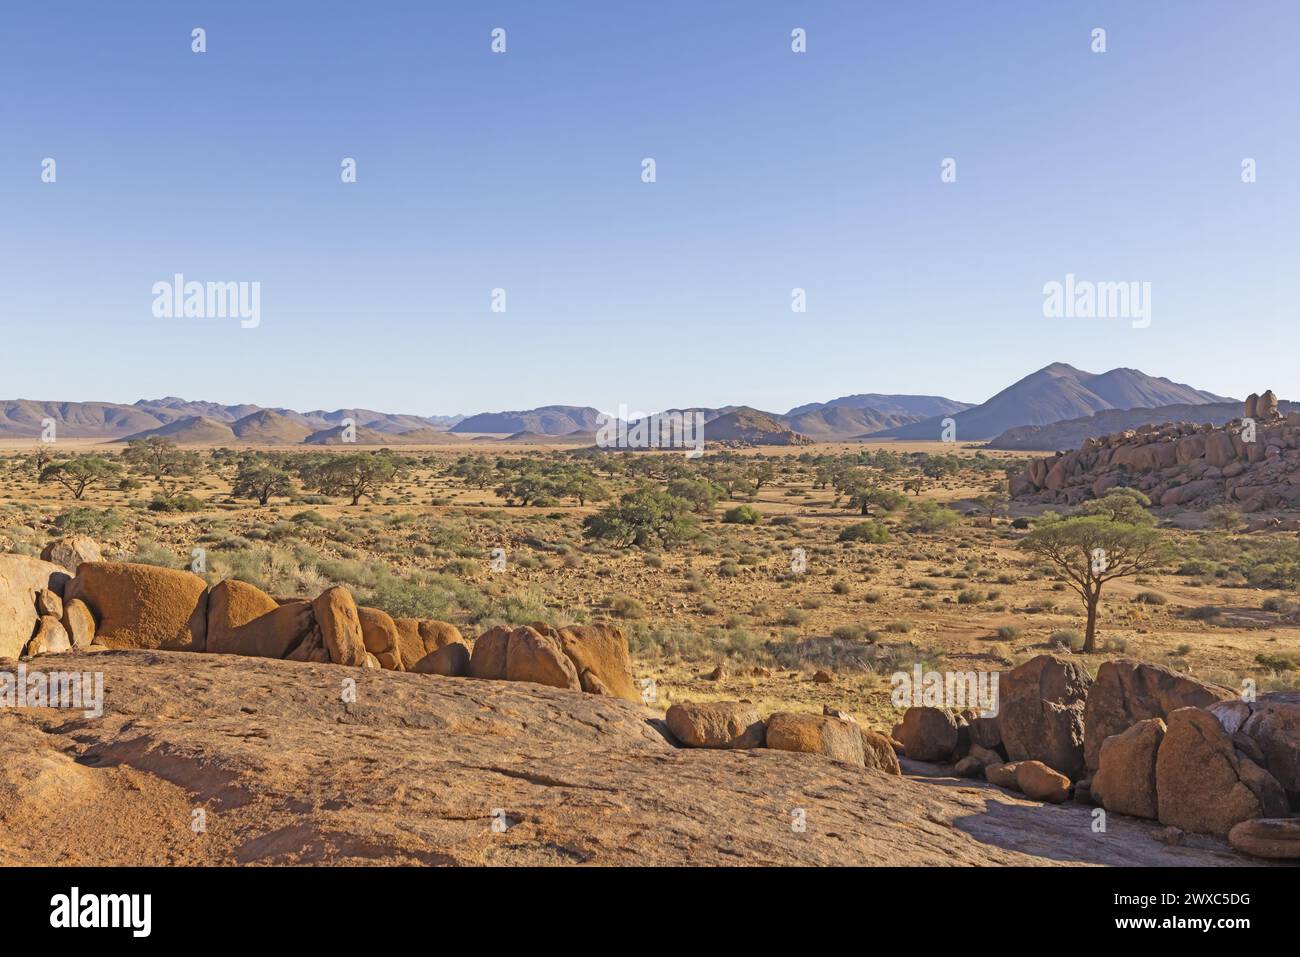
point(78, 475)
point(1092, 549)
point(355, 474)
point(644, 517)
point(260, 480)
point(992, 503)
point(159, 457)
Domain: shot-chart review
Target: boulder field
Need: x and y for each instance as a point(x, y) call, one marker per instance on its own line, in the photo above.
point(1139, 740)
point(1252, 463)
point(281, 767)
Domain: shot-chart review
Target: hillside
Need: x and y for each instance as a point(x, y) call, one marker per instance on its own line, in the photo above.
point(193, 430)
point(1072, 433)
point(1056, 393)
point(270, 428)
point(751, 427)
point(546, 420)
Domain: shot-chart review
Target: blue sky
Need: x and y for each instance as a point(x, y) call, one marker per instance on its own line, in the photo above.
point(522, 171)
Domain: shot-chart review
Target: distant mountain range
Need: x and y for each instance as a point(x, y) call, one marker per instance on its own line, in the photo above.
point(184, 420)
point(1053, 394)
point(1058, 393)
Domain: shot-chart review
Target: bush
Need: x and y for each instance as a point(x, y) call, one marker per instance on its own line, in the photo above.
point(625, 606)
point(929, 516)
point(742, 515)
point(873, 532)
point(178, 503)
point(88, 521)
point(1150, 598)
point(1067, 638)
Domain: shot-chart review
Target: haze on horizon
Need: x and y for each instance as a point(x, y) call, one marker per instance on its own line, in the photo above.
point(522, 171)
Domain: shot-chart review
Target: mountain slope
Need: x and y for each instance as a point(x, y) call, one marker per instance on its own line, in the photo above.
point(270, 428)
point(751, 427)
point(915, 406)
point(192, 430)
point(546, 420)
point(1055, 393)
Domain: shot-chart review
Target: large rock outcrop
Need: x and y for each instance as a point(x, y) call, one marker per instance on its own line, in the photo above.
point(1040, 713)
point(1126, 692)
point(144, 606)
point(1203, 784)
point(340, 626)
point(1252, 462)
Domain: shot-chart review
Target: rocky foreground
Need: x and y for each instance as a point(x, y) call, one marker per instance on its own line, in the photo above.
point(279, 769)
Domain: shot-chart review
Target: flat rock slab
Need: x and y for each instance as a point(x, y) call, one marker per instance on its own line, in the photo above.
point(420, 768)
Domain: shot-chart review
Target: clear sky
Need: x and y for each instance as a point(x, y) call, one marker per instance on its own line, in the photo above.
point(522, 171)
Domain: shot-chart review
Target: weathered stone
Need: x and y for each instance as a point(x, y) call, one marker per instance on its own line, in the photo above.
point(21, 578)
point(816, 734)
point(1003, 775)
point(78, 622)
point(1036, 780)
point(878, 752)
point(340, 626)
point(144, 606)
point(532, 656)
point(1126, 692)
point(450, 660)
point(71, 551)
point(1272, 838)
point(929, 734)
point(419, 637)
point(49, 603)
point(1274, 723)
point(50, 637)
point(231, 605)
point(968, 767)
point(489, 657)
point(600, 656)
point(716, 724)
point(1125, 781)
point(1198, 776)
point(1041, 705)
point(379, 633)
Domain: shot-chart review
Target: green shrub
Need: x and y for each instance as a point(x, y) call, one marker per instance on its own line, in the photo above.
point(873, 532)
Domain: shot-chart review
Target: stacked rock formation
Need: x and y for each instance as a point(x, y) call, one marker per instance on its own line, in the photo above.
point(1139, 740)
point(1252, 462)
point(44, 610)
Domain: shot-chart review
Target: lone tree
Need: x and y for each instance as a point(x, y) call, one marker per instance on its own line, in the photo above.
point(261, 480)
point(159, 457)
point(991, 504)
point(644, 517)
point(77, 475)
point(1111, 538)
